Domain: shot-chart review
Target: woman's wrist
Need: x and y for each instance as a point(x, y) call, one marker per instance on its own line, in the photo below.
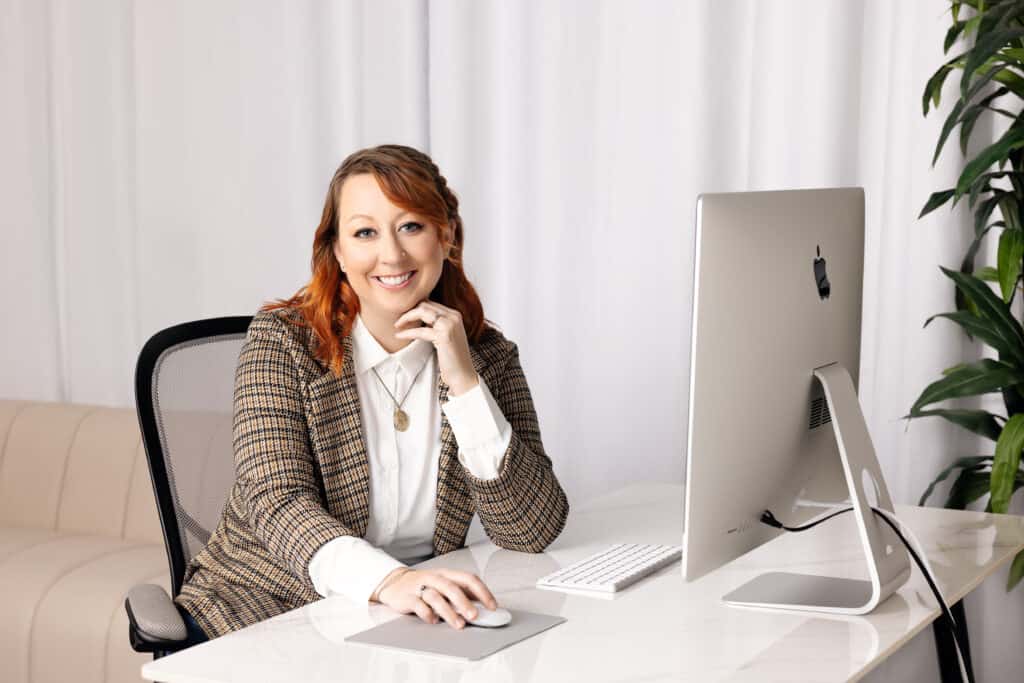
point(461, 386)
point(388, 580)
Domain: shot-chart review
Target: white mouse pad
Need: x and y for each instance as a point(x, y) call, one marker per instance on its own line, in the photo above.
point(412, 634)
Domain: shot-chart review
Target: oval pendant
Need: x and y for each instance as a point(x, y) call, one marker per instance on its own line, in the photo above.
point(401, 420)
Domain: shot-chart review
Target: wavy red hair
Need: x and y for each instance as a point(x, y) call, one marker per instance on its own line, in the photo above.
point(412, 181)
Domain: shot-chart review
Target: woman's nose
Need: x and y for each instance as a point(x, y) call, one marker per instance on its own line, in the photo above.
point(391, 250)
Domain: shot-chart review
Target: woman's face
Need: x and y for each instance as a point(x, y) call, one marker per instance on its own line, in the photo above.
point(378, 239)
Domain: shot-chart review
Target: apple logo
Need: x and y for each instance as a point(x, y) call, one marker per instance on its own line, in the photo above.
point(820, 277)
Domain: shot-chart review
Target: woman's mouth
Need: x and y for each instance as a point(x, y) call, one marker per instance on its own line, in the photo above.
point(394, 281)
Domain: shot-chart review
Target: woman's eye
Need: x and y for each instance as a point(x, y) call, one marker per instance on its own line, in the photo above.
point(359, 233)
point(413, 227)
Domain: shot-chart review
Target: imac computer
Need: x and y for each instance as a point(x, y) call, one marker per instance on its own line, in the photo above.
point(774, 420)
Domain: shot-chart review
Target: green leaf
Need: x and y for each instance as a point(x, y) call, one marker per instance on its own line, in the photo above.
point(1014, 53)
point(961, 108)
point(989, 306)
point(983, 49)
point(935, 201)
point(949, 371)
point(972, 484)
point(1011, 139)
point(985, 209)
point(989, 274)
point(1011, 80)
point(971, 25)
point(1009, 207)
point(967, 266)
point(970, 117)
point(1011, 251)
point(977, 421)
point(1018, 185)
point(951, 35)
point(981, 185)
point(1016, 571)
point(1007, 460)
point(933, 88)
point(973, 462)
point(983, 377)
point(987, 331)
point(983, 181)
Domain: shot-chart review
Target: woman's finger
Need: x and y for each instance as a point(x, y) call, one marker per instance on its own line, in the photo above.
point(441, 309)
point(418, 312)
point(442, 608)
point(453, 592)
point(424, 611)
point(424, 333)
point(474, 585)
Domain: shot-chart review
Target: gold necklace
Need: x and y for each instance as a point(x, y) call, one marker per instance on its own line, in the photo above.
point(400, 418)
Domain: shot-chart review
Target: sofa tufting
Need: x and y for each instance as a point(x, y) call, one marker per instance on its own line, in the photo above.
point(78, 528)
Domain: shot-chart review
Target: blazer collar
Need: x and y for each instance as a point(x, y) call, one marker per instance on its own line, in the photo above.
point(367, 353)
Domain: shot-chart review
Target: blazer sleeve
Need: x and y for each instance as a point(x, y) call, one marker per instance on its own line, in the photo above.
point(524, 508)
point(273, 460)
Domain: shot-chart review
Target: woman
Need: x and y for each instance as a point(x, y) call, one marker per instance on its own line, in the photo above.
point(375, 412)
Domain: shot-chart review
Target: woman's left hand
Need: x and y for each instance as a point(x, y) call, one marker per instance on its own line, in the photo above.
point(443, 327)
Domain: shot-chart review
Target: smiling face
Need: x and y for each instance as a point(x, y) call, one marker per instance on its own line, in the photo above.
point(377, 239)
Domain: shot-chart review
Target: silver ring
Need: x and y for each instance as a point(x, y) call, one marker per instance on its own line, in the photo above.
point(419, 591)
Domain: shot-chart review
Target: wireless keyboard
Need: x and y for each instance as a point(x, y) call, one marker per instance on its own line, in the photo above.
point(613, 569)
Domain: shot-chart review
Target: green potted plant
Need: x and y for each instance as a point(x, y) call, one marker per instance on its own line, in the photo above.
point(992, 184)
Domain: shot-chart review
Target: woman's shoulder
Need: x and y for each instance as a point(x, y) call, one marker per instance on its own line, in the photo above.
point(278, 321)
point(493, 347)
point(284, 326)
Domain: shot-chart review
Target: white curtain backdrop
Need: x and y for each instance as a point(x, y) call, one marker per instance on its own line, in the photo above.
point(167, 161)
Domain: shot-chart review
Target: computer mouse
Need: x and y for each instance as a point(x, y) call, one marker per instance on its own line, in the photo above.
point(490, 618)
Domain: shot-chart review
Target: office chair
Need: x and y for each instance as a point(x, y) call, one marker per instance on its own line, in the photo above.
point(184, 386)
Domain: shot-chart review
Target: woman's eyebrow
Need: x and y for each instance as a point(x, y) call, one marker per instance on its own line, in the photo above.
point(370, 218)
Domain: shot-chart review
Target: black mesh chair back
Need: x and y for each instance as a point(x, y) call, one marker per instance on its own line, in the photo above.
point(184, 386)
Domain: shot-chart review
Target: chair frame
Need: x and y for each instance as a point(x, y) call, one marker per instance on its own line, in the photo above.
point(149, 358)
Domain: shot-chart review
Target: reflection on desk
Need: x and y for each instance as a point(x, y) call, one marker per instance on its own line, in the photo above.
point(659, 628)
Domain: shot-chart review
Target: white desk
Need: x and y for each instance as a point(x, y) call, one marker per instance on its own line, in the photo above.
point(658, 629)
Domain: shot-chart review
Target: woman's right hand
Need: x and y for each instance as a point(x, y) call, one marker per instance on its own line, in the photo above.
point(448, 594)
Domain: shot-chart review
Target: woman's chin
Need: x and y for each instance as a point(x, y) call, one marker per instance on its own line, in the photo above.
point(395, 303)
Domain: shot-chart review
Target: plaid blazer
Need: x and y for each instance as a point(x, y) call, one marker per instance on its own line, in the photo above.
point(302, 476)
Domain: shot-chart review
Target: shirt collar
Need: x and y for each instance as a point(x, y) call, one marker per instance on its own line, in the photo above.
point(368, 353)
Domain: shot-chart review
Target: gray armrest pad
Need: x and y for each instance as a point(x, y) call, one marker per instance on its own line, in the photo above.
point(155, 614)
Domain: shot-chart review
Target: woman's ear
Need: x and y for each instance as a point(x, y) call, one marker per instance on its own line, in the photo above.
point(337, 255)
point(449, 239)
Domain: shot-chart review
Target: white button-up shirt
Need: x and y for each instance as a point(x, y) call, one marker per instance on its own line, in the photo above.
point(404, 465)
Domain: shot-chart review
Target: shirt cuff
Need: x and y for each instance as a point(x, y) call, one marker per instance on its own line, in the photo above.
point(481, 430)
point(350, 566)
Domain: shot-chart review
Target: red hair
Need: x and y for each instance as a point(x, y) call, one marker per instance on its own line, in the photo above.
point(412, 181)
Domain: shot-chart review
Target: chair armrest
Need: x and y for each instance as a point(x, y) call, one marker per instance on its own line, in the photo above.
point(154, 623)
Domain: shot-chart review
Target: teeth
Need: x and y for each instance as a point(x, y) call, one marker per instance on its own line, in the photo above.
point(395, 280)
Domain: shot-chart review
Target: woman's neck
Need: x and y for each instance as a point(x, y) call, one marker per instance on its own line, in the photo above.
point(383, 330)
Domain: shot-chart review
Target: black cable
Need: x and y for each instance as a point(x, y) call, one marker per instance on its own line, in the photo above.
point(768, 518)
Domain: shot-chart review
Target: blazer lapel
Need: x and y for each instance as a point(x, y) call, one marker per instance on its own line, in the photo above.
point(336, 432)
point(454, 503)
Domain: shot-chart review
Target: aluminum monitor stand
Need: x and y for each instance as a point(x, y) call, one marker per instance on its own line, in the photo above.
point(888, 563)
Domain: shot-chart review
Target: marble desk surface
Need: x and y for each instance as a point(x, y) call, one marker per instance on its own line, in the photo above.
point(660, 628)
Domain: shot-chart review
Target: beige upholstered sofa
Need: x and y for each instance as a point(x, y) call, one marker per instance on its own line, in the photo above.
point(78, 529)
